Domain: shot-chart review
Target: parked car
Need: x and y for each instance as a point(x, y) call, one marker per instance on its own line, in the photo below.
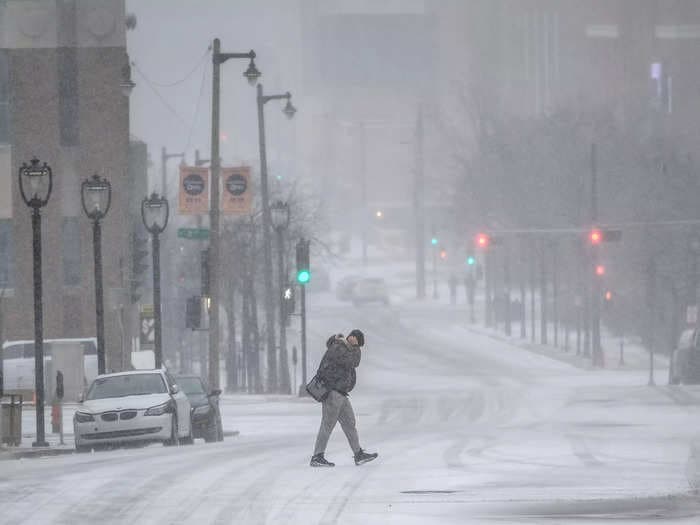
point(685, 365)
point(343, 289)
point(140, 405)
point(371, 289)
point(206, 416)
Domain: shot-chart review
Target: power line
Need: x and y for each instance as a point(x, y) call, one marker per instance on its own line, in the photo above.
point(160, 97)
point(183, 79)
point(196, 110)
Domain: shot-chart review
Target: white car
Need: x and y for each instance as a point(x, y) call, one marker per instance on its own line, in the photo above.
point(142, 405)
point(369, 290)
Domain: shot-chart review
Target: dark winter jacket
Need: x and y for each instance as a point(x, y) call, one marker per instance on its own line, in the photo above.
point(337, 368)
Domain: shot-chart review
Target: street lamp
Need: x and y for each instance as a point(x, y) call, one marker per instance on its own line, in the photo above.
point(280, 221)
point(96, 196)
point(35, 184)
point(155, 212)
point(289, 111)
point(251, 74)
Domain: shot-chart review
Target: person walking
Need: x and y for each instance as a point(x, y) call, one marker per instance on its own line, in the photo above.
point(337, 371)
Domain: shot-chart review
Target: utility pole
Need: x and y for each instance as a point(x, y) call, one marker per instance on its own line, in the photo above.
point(533, 309)
point(543, 293)
point(363, 189)
point(651, 300)
point(252, 75)
point(555, 292)
point(419, 208)
point(164, 156)
point(595, 257)
point(521, 279)
point(506, 288)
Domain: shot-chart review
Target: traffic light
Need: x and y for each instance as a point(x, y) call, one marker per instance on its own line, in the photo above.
point(434, 241)
point(471, 260)
point(597, 236)
point(139, 265)
point(303, 267)
point(288, 298)
point(204, 266)
point(483, 240)
point(193, 312)
point(600, 270)
point(443, 254)
point(608, 296)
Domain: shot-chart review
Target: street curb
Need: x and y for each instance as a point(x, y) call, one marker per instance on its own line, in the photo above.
point(7, 454)
point(549, 352)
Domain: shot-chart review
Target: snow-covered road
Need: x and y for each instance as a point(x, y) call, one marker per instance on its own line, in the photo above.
point(469, 430)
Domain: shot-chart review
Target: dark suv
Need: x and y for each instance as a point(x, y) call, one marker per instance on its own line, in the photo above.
point(205, 414)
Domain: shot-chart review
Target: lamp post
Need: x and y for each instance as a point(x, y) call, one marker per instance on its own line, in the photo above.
point(35, 184)
point(289, 111)
point(252, 74)
point(155, 212)
point(280, 220)
point(96, 196)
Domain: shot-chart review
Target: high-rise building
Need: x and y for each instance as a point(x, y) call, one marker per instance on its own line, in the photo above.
point(62, 100)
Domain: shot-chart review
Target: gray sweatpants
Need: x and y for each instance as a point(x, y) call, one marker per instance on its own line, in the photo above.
point(337, 407)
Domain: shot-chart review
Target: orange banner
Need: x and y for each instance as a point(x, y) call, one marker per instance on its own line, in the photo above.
point(237, 194)
point(194, 190)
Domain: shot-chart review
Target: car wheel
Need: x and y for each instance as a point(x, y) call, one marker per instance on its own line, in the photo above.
point(172, 441)
point(189, 439)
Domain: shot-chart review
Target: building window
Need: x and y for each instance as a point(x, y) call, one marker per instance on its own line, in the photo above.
point(7, 254)
point(4, 98)
point(71, 251)
point(68, 95)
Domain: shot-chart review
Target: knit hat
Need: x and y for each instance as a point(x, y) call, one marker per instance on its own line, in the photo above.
point(359, 336)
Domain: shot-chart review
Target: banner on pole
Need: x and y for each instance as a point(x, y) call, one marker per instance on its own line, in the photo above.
point(237, 194)
point(194, 190)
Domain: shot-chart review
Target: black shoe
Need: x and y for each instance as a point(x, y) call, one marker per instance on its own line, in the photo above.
point(319, 461)
point(363, 457)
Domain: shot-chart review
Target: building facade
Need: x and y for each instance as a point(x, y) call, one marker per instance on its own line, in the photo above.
point(62, 100)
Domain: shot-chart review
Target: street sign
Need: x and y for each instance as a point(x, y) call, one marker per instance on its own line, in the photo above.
point(193, 233)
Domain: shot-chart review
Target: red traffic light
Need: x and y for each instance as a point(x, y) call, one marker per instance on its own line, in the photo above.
point(608, 295)
point(595, 236)
point(600, 270)
point(443, 254)
point(483, 240)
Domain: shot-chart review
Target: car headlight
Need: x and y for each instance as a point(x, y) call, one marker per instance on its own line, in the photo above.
point(200, 411)
point(83, 417)
point(159, 410)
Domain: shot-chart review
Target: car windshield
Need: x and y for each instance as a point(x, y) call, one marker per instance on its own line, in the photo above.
point(190, 385)
point(127, 385)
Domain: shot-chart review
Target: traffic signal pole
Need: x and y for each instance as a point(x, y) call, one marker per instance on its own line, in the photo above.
point(595, 287)
point(419, 209)
point(303, 336)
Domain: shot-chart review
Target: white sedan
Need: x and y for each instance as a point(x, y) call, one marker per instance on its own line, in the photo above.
point(143, 405)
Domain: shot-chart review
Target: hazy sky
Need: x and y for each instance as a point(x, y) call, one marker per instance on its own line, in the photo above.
point(170, 41)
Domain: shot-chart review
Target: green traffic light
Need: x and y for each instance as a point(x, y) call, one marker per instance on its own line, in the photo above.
point(303, 276)
point(471, 260)
point(434, 240)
